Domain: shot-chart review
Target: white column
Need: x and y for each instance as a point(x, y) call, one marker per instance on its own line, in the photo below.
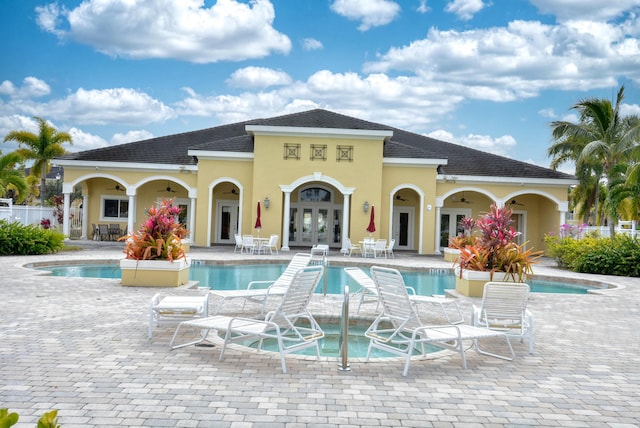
point(131, 217)
point(285, 221)
point(192, 219)
point(65, 215)
point(85, 217)
point(345, 220)
point(437, 232)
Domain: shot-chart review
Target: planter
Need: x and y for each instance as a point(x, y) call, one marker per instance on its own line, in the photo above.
point(451, 254)
point(186, 245)
point(472, 282)
point(154, 273)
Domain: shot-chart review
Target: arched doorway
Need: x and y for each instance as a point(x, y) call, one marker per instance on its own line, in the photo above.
point(315, 216)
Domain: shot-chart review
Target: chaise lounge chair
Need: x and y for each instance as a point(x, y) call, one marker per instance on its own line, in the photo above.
point(269, 289)
point(504, 308)
point(174, 308)
point(368, 289)
point(399, 330)
point(281, 325)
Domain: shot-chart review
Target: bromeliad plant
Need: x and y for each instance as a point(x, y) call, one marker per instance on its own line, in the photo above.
point(495, 248)
point(160, 235)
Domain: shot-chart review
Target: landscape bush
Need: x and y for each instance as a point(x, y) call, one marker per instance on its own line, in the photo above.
point(618, 256)
point(17, 239)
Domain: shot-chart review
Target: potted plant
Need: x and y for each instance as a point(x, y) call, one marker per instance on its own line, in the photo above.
point(452, 252)
point(494, 254)
point(154, 255)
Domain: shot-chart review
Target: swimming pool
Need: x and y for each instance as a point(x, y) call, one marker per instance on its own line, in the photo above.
point(231, 277)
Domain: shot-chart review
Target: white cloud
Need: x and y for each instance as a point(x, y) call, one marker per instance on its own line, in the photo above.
point(547, 112)
point(228, 30)
point(585, 9)
point(501, 146)
point(108, 106)
point(84, 141)
point(423, 8)
point(370, 13)
point(131, 136)
point(518, 61)
point(310, 44)
point(31, 88)
point(629, 109)
point(258, 77)
point(464, 9)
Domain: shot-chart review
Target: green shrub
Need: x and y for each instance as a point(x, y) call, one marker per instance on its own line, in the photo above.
point(17, 239)
point(619, 256)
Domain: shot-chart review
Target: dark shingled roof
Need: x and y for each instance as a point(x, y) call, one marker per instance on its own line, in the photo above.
point(172, 149)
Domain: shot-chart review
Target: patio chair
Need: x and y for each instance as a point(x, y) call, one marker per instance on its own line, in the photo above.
point(271, 245)
point(380, 248)
point(269, 289)
point(399, 330)
point(281, 325)
point(175, 308)
point(103, 232)
point(248, 245)
point(368, 290)
point(238, 241)
point(392, 243)
point(350, 248)
point(504, 308)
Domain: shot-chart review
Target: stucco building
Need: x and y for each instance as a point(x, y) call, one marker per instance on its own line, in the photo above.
point(317, 174)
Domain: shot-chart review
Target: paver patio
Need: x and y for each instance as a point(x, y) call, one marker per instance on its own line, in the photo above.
point(80, 346)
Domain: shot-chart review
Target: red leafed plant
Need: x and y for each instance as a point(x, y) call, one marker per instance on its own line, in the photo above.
point(160, 235)
point(495, 248)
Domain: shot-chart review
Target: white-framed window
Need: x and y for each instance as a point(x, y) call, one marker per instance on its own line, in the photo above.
point(114, 208)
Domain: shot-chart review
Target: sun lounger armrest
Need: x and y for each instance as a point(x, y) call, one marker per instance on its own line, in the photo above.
point(259, 284)
point(411, 290)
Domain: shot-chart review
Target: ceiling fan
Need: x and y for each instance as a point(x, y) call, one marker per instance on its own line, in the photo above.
point(233, 191)
point(167, 189)
point(464, 200)
point(400, 198)
point(513, 202)
point(117, 187)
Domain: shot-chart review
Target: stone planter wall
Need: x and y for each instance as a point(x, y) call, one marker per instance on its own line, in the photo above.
point(472, 282)
point(451, 254)
point(154, 273)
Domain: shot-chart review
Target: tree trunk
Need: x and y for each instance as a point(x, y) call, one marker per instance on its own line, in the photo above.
point(43, 183)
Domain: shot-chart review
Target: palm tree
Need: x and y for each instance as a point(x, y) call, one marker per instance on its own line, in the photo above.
point(608, 140)
point(40, 148)
point(11, 178)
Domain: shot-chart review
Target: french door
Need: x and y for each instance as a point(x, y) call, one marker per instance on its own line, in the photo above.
point(449, 227)
point(226, 222)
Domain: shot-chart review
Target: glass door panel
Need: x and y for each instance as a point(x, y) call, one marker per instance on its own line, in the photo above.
point(307, 225)
point(322, 217)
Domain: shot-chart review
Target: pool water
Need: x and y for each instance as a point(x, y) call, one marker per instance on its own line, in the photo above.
point(330, 344)
point(232, 277)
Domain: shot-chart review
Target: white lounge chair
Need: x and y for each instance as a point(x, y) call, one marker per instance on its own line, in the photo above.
point(175, 308)
point(368, 289)
point(399, 330)
point(280, 325)
point(261, 291)
point(504, 308)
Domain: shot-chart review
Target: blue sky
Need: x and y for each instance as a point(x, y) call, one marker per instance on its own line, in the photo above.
point(486, 74)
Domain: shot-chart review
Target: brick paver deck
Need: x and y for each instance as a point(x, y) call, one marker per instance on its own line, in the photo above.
point(80, 346)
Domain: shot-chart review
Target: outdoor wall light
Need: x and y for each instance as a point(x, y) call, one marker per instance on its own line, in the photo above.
point(365, 207)
point(267, 202)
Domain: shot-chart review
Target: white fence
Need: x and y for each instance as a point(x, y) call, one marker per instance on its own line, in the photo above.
point(578, 231)
point(24, 214)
